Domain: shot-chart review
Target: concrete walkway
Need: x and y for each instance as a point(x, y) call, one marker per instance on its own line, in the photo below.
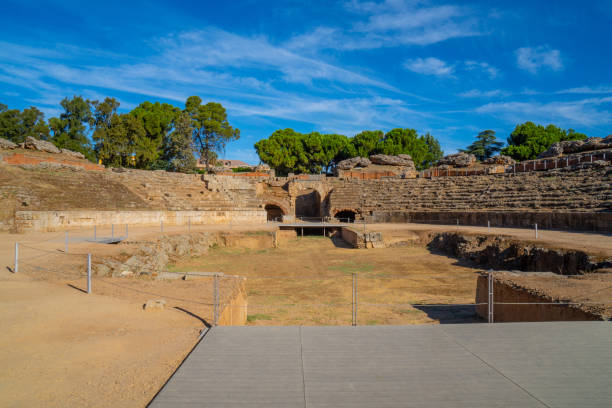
point(560, 364)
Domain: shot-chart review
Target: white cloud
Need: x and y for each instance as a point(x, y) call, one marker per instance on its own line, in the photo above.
point(392, 23)
point(429, 66)
point(485, 67)
point(586, 112)
point(533, 59)
point(601, 89)
point(477, 93)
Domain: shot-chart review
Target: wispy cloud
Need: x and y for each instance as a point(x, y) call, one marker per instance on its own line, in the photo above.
point(477, 93)
point(429, 66)
point(585, 112)
point(485, 67)
point(392, 23)
point(601, 89)
point(533, 59)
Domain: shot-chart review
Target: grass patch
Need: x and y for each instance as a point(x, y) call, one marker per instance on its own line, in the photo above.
point(351, 266)
point(258, 316)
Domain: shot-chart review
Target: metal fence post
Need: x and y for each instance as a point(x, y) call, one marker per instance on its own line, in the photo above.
point(16, 268)
point(354, 322)
point(216, 300)
point(490, 298)
point(536, 230)
point(66, 243)
point(95, 233)
point(189, 224)
point(112, 230)
point(88, 273)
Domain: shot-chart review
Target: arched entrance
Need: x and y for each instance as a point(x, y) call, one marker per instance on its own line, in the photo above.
point(274, 212)
point(345, 216)
point(308, 204)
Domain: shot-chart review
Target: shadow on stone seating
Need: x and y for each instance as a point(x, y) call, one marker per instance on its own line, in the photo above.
point(451, 314)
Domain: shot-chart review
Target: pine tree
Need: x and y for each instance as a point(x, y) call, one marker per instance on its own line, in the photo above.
point(485, 146)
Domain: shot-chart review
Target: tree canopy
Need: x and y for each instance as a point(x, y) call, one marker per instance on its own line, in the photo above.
point(288, 151)
point(528, 140)
point(485, 146)
point(16, 125)
point(211, 130)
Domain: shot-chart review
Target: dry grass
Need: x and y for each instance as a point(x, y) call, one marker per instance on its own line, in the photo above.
point(309, 282)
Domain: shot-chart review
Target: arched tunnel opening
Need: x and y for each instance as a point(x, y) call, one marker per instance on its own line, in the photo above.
point(345, 216)
point(273, 212)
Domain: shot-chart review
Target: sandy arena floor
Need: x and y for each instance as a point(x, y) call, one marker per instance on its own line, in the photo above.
point(65, 348)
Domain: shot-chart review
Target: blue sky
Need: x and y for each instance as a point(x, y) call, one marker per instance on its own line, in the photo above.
point(448, 68)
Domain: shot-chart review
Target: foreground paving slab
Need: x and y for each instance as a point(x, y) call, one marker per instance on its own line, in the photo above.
point(559, 364)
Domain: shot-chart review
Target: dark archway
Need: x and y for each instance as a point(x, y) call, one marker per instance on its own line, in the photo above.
point(274, 212)
point(345, 216)
point(308, 204)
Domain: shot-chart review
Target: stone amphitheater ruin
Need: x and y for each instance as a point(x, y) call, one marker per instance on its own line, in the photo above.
point(569, 188)
point(456, 243)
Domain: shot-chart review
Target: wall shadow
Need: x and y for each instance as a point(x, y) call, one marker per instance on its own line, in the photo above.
point(451, 314)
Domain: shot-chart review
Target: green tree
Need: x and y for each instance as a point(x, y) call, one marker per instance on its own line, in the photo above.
point(178, 149)
point(121, 144)
point(332, 146)
point(69, 130)
point(528, 140)
point(284, 152)
point(158, 121)
point(211, 130)
point(434, 151)
point(405, 141)
point(16, 125)
point(485, 146)
point(362, 144)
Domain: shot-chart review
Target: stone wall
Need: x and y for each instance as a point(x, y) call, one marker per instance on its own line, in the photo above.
point(54, 220)
point(234, 310)
point(543, 311)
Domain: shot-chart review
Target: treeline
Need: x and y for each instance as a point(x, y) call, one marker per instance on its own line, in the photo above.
point(526, 142)
point(288, 151)
point(151, 136)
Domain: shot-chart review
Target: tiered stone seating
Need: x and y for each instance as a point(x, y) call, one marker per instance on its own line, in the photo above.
point(584, 190)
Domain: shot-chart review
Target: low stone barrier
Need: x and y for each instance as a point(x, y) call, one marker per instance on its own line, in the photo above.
point(52, 220)
point(578, 221)
point(531, 307)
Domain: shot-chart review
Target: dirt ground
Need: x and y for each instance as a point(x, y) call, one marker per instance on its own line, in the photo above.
point(308, 281)
point(60, 347)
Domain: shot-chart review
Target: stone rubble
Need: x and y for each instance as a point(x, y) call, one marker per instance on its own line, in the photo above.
point(40, 145)
point(403, 160)
point(7, 144)
point(353, 162)
point(577, 146)
point(458, 160)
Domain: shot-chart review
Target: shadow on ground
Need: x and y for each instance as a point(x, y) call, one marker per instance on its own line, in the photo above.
point(451, 313)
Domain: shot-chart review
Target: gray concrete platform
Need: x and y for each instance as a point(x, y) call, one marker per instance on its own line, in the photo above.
point(556, 364)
